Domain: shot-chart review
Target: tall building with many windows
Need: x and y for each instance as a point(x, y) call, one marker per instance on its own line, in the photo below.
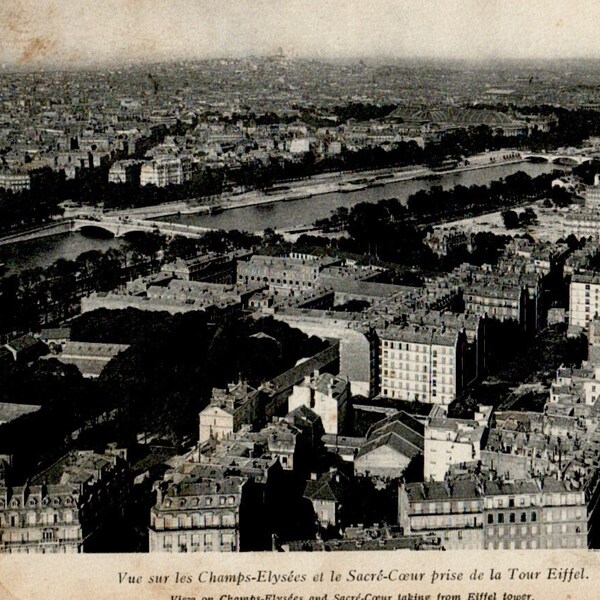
point(450, 513)
point(420, 363)
point(15, 181)
point(166, 171)
point(198, 515)
point(584, 299)
point(534, 514)
point(65, 507)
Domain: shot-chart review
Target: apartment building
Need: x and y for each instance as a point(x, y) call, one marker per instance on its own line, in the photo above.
point(166, 171)
point(449, 512)
point(14, 181)
point(584, 299)
point(125, 171)
point(591, 195)
point(512, 514)
point(582, 223)
point(564, 515)
point(420, 363)
point(198, 515)
point(534, 514)
point(497, 301)
point(65, 507)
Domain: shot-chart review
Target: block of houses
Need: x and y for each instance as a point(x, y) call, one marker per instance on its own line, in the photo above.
point(450, 441)
point(325, 394)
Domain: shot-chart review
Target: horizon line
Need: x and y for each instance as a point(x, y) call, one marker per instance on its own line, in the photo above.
point(139, 62)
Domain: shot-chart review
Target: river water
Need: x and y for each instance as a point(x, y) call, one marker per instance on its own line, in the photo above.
point(283, 215)
point(43, 252)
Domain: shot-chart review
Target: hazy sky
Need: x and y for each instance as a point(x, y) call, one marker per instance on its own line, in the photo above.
point(83, 31)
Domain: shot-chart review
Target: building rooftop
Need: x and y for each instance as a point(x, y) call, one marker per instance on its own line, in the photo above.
point(436, 491)
point(419, 334)
point(331, 487)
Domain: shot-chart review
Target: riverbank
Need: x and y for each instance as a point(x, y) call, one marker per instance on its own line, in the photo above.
point(298, 214)
point(305, 189)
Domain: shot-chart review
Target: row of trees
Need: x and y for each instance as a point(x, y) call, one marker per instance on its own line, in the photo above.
point(436, 203)
point(390, 232)
point(439, 204)
point(36, 297)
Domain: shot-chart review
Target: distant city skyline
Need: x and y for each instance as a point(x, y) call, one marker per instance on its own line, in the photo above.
point(50, 32)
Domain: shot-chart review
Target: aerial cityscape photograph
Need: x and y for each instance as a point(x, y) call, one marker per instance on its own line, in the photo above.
point(299, 276)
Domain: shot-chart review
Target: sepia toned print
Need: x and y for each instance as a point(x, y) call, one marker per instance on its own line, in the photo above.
point(300, 277)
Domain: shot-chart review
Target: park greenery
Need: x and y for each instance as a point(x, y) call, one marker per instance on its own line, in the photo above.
point(393, 233)
point(514, 220)
point(155, 387)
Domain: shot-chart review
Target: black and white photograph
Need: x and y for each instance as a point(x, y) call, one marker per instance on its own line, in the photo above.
point(290, 276)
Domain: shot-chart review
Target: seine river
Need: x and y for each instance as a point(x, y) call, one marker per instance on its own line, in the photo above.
point(42, 252)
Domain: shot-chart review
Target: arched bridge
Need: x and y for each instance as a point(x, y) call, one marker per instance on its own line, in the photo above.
point(119, 226)
point(564, 159)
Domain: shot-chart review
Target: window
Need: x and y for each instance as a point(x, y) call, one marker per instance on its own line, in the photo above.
point(227, 538)
point(48, 535)
point(523, 517)
point(490, 518)
point(533, 517)
point(511, 517)
point(501, 518)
